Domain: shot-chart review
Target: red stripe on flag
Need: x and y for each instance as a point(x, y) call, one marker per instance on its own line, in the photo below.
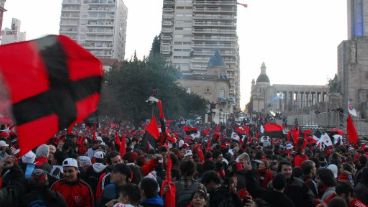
point(20, 66)
point(122, 148)
point(81, 63)
point(272, 127)
point(36, 132)
point(152, 128)
point(87, 106)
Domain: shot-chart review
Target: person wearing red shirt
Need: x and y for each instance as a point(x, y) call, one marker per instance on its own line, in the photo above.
point(76, 192)
point(300, 158)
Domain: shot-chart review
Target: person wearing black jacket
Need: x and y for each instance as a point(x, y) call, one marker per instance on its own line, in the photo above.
point(220, 195)
point(39, 194)
point(276, 196)
point(13, 182)
point(361, 189)
point(295, 189)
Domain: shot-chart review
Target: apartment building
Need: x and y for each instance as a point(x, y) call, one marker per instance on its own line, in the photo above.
point(2, 10)
point(13, 34)
point(98, 25)
point(193, 30)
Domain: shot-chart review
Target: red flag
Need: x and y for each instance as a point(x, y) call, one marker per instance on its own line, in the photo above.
point(152, 128)
point(52, 83)
point(198, 150)
point(240, 130)
point(159, 105)
point(70, 129)
point(209, 144)
point(351, 131)
point(122, 148)
point(272, 127)
point(295, 135)
point(273, 130)
point(117, 139)
point(167, 183)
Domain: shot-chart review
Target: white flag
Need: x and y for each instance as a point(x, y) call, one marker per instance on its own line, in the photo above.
point(337, 139)
point(351, 109)
point(325, 140)
point(196, 135)
point(235, 136)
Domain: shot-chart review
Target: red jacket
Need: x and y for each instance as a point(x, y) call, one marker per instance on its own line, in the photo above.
point(265, 177)
point(77, 194)
point(356, 203)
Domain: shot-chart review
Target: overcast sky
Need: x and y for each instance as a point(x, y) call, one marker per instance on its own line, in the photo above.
point(297, 39)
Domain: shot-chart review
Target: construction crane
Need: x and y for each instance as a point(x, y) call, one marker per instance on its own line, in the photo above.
point(242, 4)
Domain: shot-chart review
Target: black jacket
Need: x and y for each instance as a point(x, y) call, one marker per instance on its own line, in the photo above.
point(42, 196)
point(361, 192)
point(277, 199)
point(13, 187)
point(299, 193)
point(221, 197)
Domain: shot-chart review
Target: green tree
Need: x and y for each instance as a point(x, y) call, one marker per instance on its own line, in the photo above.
point(126, 89)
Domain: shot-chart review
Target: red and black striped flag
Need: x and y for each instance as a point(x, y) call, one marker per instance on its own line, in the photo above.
point(273, 130)
point(53, 83)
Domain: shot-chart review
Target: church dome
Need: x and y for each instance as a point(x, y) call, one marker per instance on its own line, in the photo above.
point(216, 60)
point(263, 78)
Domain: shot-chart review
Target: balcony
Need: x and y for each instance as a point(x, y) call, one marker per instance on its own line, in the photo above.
point(213, 46)
point(211, 3)
point(213, 24)
point(214, 31)
point(219, 10)
point(63, 23)
point(215, 39)
point(71, 2)
point(166, 38)
point(167, 23)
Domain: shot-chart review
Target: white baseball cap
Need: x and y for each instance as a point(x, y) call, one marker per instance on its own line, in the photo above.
point(3, 144)
point(99, 155)
point(29, 157)
point(70, 162)
point(188, 153)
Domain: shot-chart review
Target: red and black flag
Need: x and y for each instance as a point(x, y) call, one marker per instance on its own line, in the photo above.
point(53, 83)
point(152, 133)
point(273, 130)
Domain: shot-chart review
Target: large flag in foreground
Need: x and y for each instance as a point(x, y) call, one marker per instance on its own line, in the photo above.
point(53, 83)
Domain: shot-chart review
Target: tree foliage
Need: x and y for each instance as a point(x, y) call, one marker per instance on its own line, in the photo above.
point(127, 88)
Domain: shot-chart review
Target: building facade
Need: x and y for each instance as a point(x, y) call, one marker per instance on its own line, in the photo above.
point(214, 86)
point(283, 97)
point(97, 25)
point(192, 30)
point(352, 73)
point(13, 34)
point(2, 10)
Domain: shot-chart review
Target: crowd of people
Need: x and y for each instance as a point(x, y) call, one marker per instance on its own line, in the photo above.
point(208, 167)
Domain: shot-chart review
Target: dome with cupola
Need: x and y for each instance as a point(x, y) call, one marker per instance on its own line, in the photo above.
point(263, 78)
